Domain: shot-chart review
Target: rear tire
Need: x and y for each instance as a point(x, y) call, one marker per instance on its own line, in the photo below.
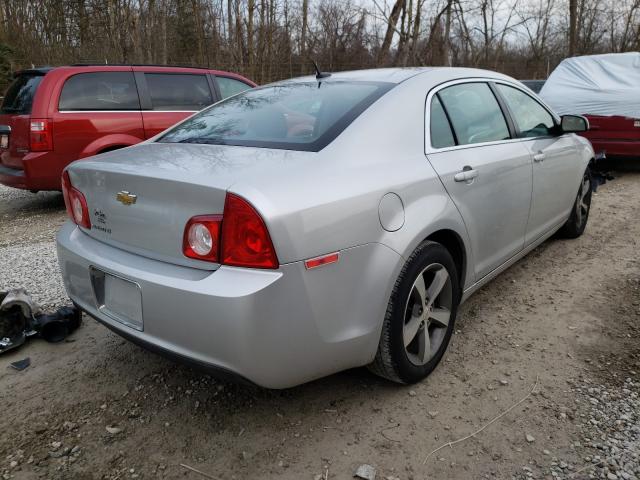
point(577, 221)
point(420, 316)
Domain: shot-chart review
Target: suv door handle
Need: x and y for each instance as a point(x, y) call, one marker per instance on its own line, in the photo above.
point(467, 174)
point(538, 157)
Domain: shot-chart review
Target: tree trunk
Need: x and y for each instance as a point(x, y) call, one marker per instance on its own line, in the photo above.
point(391, 29)
point(573, 26)
point(303, 35)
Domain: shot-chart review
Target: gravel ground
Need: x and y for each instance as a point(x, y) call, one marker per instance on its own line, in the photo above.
point(28, 224)
point(34, 267)
point(566, 319)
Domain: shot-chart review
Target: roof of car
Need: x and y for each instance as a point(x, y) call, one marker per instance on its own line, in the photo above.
point(34, 71)
point(398, 75)
point(391, 75)
point(120, 66)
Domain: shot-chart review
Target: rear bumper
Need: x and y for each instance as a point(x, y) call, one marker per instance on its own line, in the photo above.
point(276, 328)
point(12, 177)
point(39, 171)
point(208, 368)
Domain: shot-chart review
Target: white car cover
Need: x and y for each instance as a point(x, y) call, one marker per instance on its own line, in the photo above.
point(596, 84)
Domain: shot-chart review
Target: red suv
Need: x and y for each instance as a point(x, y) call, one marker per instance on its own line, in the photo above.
point(53, 116)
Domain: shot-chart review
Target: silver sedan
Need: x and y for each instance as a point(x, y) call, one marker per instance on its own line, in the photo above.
point(322, 223)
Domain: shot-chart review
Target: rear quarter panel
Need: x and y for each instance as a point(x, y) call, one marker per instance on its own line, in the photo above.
point(331, 200)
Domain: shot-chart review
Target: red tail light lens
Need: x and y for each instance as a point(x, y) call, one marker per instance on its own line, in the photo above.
point(202, 238)
point(41, 135)
point(238, 238)
point(66, 188)
point(245, 238)
point(75, 202)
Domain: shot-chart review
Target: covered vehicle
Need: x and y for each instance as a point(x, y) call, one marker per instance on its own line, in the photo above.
point(606, 89)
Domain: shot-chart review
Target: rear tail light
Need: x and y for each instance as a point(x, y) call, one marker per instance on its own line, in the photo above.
point(40, 135)
point(202, 237)
point(75, 202)
point(238, 237)
point(245, 238)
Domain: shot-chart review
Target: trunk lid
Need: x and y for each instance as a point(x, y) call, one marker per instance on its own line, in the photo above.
point(16, 113)
point(171, 184)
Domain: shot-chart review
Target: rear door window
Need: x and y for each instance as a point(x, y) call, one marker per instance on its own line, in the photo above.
point(532, 119)
point(100, 91)
point(441, 134)
point(178, 92)
point(230, 86)
point(19, 96)
point(475, 113)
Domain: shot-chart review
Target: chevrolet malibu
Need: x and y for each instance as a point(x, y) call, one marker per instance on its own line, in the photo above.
point(322, 223)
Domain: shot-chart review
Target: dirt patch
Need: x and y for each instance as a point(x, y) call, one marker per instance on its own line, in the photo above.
point(566, 315)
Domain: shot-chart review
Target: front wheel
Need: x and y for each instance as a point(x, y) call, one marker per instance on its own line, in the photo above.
point(577, 222)
point(420, 316)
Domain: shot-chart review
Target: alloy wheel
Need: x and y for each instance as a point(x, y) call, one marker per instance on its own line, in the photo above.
point(584, 200)
point(427, 314)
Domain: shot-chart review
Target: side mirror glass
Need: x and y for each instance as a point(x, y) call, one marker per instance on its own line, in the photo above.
point(574, 124)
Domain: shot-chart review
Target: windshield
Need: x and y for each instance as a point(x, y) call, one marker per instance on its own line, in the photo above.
point(20, 93)
point(293, 116)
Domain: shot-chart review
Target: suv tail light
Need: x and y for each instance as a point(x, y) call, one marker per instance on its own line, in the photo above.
point(238, 237)
point(75, 202)
point(40, 135)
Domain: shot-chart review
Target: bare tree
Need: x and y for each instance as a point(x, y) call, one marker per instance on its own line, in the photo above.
point(272, 39)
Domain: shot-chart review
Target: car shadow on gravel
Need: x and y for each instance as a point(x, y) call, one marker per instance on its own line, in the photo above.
point(22, 203)
point(32, 203)
point(161, 390)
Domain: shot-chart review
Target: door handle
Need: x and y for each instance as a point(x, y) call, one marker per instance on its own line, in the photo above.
point(538, 157)
point(466, 175)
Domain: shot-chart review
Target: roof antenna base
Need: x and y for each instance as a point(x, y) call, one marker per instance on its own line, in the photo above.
point(320, 75)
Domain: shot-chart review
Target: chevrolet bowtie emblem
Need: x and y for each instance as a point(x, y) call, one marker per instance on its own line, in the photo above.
point(126, 198)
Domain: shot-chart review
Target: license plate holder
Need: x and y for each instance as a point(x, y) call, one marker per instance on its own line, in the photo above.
point(118, 298)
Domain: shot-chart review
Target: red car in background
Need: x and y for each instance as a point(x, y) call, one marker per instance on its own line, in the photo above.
point(605, 89)
point(615, 136)
point(52, 116)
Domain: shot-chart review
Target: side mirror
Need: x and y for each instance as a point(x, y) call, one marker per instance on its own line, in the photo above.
point(574, 124)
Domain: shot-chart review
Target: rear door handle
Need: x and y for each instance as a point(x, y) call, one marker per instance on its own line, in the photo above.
point(538, 157)
point(467, 174)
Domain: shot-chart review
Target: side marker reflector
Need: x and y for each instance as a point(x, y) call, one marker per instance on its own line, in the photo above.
point(323, 260)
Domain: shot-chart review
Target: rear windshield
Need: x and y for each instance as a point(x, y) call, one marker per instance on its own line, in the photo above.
point(19, 96)
point(291, 116)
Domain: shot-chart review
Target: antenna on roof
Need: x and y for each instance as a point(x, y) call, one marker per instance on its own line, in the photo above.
point(320, 75)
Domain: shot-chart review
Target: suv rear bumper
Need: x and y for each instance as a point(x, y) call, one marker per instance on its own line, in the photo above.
point(12, 177)
point(40, 171)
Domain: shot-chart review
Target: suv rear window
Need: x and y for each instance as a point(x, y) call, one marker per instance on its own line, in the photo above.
point(230, 86)
point(100, 91)
point(290, 116)
point(19, 96)
point(175, 92)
